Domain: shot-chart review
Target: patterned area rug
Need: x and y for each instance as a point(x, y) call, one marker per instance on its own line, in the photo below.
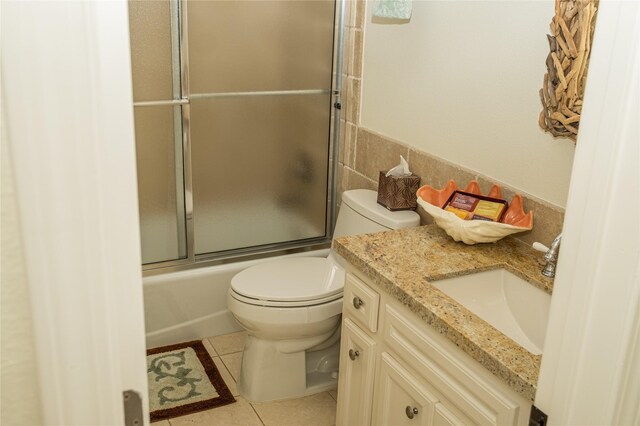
point(183, 379)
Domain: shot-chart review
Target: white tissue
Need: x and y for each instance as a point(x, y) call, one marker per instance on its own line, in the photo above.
point(400, 170)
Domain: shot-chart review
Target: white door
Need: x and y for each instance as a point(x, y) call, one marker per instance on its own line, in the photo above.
point(67, 100)
point(591, 362)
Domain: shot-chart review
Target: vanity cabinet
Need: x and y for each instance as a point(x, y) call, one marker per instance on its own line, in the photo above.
point(395, 369)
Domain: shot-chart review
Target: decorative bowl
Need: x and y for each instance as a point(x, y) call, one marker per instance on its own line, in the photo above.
point(473, 231)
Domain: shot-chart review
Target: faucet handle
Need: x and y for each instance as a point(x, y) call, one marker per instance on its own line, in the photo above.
point(540, 247)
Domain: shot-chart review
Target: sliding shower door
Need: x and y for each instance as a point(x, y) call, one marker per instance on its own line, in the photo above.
point(260, 82)
point(244, 136)
point(158, 124)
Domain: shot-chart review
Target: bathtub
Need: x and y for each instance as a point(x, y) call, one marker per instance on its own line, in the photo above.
point(192, 304)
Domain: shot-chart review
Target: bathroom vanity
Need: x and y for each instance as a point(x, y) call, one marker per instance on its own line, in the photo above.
point(410, 353)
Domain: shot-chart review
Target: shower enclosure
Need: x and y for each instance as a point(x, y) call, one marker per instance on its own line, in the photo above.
point(235, 104)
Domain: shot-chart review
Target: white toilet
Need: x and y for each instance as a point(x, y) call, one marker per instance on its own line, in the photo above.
point(291, 309)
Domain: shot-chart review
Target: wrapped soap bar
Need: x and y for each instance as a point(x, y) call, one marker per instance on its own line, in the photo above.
point(475, 207)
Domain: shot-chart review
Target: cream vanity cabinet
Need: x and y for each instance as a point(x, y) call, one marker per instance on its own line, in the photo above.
point(397, 370)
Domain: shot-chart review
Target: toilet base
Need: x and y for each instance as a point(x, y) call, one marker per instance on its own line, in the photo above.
point(269, 374)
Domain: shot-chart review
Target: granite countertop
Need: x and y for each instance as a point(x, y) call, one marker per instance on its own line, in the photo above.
point(404, 262)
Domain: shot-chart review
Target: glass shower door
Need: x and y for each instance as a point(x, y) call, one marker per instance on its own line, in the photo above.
point(233, 104)
point(158, 123)
point(260, 89)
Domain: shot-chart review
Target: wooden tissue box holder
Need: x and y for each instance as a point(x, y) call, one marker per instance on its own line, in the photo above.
point(398, 193)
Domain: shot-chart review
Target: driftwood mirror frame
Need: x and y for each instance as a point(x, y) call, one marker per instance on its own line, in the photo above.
point(567, 63)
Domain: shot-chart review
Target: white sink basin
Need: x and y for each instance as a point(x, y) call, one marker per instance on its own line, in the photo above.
point(510, 304)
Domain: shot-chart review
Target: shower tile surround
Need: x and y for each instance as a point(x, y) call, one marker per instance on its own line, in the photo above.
point(363, 152)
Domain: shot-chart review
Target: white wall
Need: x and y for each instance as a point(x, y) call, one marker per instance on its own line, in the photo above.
point(460, 81)
point(20, 390)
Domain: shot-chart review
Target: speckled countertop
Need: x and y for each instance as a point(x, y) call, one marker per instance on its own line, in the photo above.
point(404, 262)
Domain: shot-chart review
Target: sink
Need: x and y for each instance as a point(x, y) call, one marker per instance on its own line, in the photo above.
point(507, 302)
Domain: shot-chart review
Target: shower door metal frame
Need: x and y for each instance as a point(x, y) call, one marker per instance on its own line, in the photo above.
point(183, 98)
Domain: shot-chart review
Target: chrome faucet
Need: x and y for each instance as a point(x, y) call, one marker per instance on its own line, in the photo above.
point(551, 256)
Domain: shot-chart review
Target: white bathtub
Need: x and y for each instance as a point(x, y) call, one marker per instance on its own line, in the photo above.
point(190, 305)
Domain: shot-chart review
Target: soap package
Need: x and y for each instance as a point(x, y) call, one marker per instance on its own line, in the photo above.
point(469, 206)
point(397, 188)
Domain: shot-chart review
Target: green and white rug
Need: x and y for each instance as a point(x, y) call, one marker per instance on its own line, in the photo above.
point(183, 379)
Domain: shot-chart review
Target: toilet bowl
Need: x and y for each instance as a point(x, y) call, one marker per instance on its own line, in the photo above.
point(291, 310)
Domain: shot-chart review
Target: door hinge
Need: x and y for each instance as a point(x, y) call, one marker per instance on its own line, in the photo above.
point(537, 417)
point(133, 415)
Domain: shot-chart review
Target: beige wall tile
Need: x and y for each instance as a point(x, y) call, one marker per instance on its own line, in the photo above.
point(350, 13)
point(360, 14)
point(353, 100)
point(347, 51)
point(238, 413)
point(349, 144)
point(547, 218)
point(346, 93)
point(355, 180)
point(425, 218)
point(341, 181)
point(343, 136)
point(375, 153)
point(319, 409)
point(228, 343)
point(436, 172)
point(547, 223)
point(356, 53)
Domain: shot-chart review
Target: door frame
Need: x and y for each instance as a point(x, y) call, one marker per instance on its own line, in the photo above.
point(68, 98)
point(591, 359)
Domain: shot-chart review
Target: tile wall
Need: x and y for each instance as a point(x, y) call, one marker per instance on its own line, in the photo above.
point(363, 153)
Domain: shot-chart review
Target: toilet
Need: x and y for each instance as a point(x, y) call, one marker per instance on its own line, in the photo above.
point(291, 309)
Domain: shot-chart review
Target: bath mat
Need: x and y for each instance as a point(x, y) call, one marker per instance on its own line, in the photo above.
point(182, 380)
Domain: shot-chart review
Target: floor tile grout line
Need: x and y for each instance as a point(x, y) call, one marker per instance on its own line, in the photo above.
point(210, 344)
point(228, 369)
point(231, 353)
point(256, 411)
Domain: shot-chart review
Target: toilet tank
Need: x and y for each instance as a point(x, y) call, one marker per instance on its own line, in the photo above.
point(361, 214)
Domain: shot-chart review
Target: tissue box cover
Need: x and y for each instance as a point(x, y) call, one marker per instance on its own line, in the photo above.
point(398, 193)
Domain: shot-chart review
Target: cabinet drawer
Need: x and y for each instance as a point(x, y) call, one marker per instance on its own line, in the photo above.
point(478, 396)
point(361, 303)
point(357, 369)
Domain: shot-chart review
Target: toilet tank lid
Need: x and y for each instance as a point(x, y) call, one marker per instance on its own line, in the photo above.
point(364, 201)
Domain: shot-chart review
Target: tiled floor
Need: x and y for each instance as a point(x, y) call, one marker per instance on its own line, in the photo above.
point(226, 351)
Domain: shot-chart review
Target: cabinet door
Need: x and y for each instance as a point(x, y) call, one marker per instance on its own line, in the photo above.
point(400, 399)
point(355, 383)
point(446, 415)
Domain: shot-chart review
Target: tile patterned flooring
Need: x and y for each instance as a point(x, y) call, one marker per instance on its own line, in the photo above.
point(226, 351)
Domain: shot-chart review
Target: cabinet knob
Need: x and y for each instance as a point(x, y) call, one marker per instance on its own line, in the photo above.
point(357, 302)
point(411, 411)
point(353, 354)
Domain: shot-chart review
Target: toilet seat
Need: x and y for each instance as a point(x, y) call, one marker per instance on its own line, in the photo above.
point(289, 282)
point(276, 304)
